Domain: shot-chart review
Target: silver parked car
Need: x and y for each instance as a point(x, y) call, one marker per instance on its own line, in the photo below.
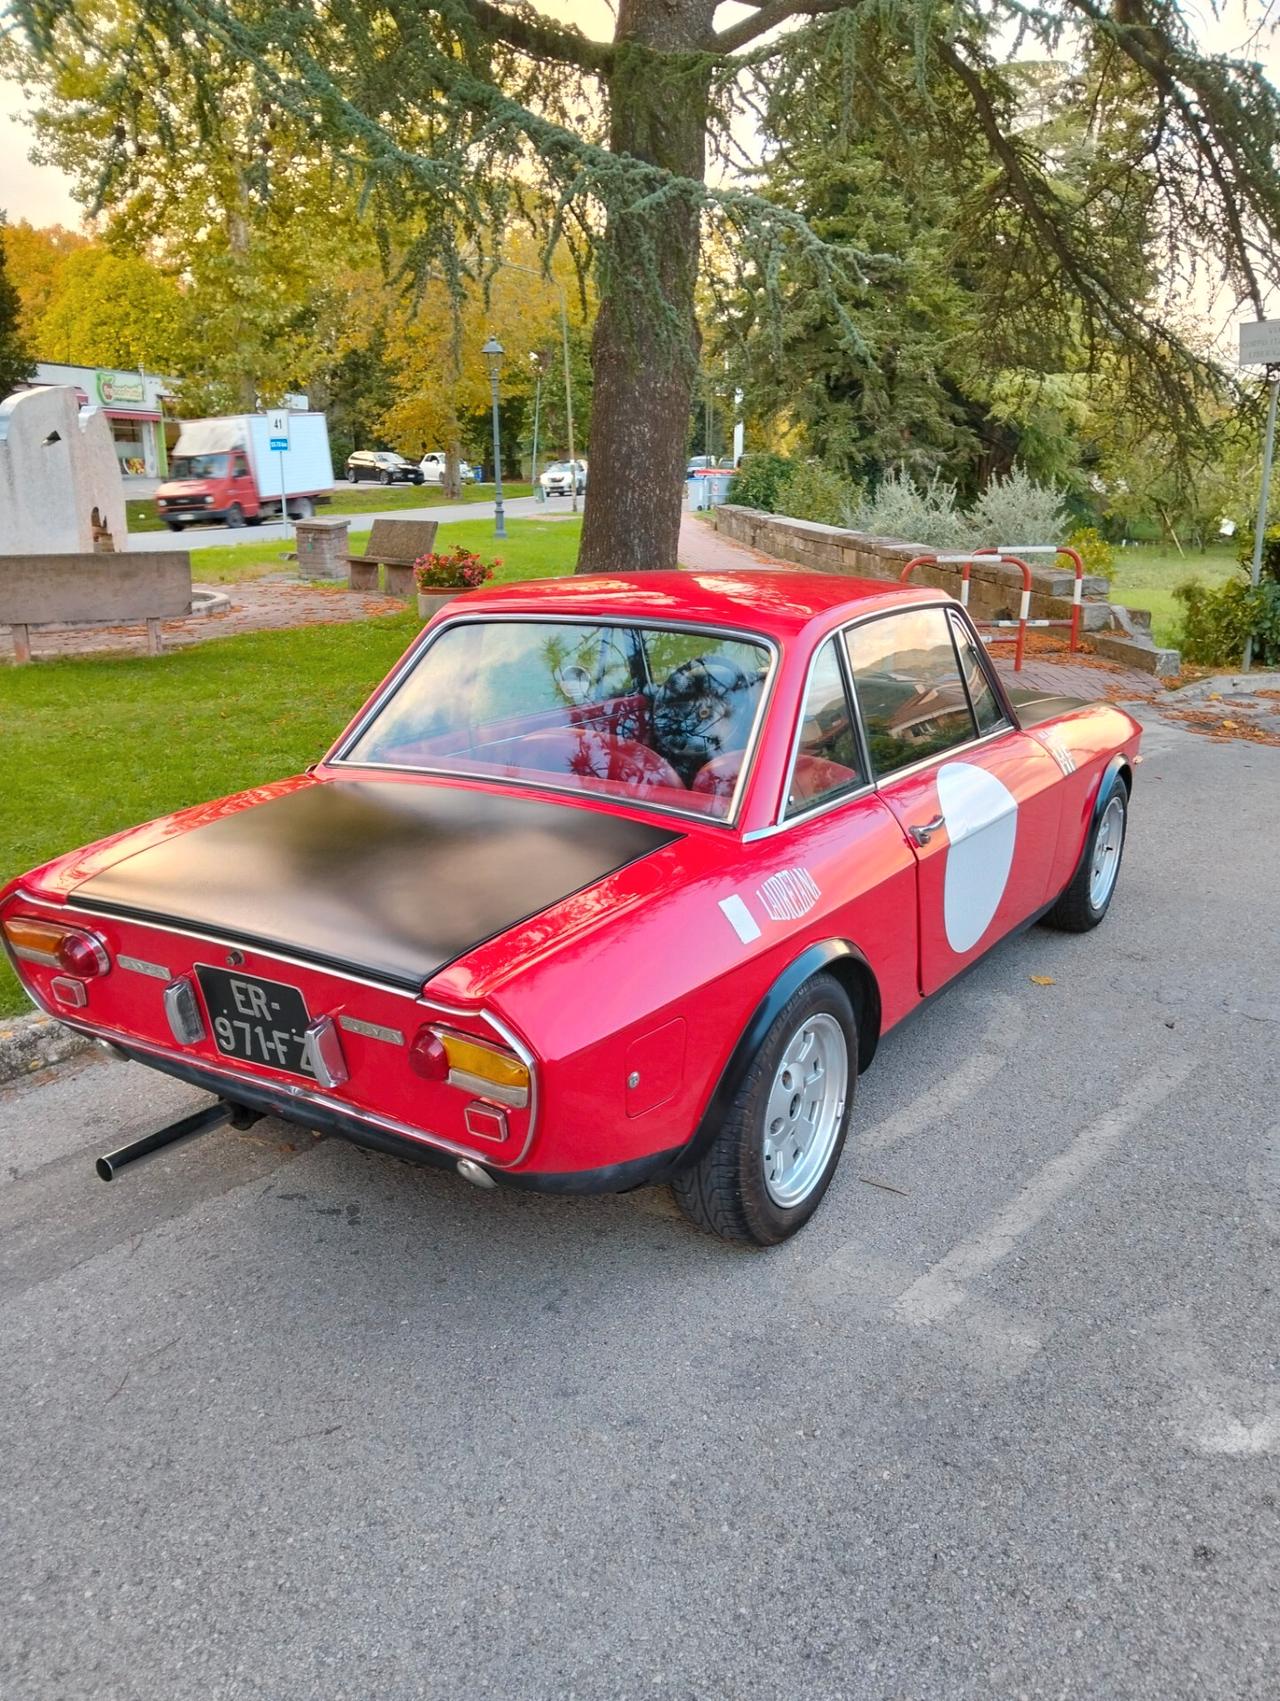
point(434, 465)
point(559, 478)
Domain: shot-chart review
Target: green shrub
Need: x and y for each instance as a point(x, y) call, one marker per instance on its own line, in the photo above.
point(900, 508)
point(1016, 509)
point(1220, 618)
point(1094, 550)
point(758, 480)
point(1270, 551)
point(814, 492)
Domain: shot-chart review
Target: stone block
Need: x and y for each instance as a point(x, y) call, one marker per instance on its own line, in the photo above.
point(322, 548)
point(1134, 652)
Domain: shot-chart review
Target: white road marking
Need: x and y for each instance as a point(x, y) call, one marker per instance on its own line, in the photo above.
point(941, 1289)
point(1230, 1416)
point(740, 918)
point(931, 1107)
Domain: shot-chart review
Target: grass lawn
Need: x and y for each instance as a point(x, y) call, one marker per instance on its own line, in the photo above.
point(354, 499)
point(94, 745)
point(1144, 576)
point(533, 549)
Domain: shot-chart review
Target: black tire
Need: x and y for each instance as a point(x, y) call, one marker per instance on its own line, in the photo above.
point(175, 525)
point(384, 478)
point(724, 1190)
point(235, 516)
point(1076, 911)
point(352, 475)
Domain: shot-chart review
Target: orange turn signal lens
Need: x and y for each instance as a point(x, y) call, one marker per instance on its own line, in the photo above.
point(54, 945)
point(489, 1071)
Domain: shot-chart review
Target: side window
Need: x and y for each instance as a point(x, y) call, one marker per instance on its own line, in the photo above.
point(827, 757)
point(985, 703)
point(909, 688)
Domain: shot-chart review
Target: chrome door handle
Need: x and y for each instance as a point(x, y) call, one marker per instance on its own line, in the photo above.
point(923, 833)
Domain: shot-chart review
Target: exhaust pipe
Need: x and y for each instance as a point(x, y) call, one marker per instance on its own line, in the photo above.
point(186, 1128)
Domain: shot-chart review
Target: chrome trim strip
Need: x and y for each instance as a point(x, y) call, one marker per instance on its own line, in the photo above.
point(335, 757)
point(209, 938)
point(482, 1088)
point(303, 1095)
point(825, 807)
point(420, 1000)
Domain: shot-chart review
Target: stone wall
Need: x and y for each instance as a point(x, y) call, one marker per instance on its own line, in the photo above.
point(994, 587)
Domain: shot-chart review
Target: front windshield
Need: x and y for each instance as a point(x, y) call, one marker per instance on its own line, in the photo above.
point(198, 466)
point(645, 714)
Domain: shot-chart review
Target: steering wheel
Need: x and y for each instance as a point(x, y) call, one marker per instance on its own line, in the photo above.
point(702, 708)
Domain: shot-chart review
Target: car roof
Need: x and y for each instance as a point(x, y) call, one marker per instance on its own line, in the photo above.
point(776, 602)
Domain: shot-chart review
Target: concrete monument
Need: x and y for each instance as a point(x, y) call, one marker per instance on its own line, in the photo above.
point(60, 490)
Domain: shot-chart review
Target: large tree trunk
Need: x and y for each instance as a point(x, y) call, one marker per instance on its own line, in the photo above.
point(645, 350)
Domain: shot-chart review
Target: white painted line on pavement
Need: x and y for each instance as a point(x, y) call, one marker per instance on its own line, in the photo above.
point(1002, 1035)
point(941, 1289)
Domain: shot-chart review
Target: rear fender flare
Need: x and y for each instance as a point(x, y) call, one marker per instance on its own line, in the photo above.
point(836, 956)
point(1116, 769)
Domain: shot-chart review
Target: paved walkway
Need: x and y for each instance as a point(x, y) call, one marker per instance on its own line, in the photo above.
point(1047, 666)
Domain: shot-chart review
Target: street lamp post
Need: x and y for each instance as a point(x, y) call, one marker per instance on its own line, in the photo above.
point(514, 266)
point(493, 352)
point(536, 358)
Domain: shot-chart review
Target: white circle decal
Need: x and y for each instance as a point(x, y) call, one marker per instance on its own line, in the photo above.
point(982, 822)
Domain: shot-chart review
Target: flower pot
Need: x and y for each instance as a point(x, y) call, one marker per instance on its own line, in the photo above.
point(430, 602)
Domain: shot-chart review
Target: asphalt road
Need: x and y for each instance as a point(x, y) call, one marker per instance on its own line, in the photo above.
point(204, 537)
point(282, 1420)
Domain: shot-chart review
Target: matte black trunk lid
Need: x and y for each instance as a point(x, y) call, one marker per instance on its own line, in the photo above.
point(390, 879)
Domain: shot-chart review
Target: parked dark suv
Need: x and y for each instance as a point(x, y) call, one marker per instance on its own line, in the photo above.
point(384, 466)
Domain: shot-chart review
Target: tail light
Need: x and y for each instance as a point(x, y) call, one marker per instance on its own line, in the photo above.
point(490, 1071)
point(54, 945)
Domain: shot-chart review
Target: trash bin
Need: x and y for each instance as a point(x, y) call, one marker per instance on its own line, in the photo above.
point(699, 495)
point(718, 483)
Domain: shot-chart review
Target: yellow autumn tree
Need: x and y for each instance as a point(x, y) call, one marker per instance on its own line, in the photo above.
point(439, 375)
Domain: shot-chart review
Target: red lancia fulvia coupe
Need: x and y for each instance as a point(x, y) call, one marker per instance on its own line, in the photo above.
point(612, 881)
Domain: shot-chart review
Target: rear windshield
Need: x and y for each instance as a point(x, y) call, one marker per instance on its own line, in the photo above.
point(646, 714)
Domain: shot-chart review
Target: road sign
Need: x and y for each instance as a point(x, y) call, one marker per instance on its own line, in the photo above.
point(278, 430)
point(1259, 342)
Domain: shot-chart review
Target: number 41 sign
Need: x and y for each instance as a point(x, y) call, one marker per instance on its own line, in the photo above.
point(278, 430)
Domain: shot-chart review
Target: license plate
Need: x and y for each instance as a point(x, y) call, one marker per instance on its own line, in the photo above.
point(255, 1020)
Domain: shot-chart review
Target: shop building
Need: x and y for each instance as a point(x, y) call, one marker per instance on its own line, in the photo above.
point(134, 404)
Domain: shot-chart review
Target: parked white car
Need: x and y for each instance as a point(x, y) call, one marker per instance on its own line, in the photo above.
point(558, 480)
point(434, 464)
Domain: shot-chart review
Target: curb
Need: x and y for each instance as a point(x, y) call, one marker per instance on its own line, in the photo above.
point(28, 1043)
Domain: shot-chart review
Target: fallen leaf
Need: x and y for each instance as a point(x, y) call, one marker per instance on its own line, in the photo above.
point(1043, 980)
point(1215, 696)
point(1228, 723)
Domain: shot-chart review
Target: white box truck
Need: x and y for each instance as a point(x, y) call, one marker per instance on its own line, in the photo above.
point(227, 470)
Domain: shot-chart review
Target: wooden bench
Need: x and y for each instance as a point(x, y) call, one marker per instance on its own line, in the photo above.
point(393, 547)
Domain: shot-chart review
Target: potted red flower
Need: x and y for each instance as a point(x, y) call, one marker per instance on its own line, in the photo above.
point(440, 577)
